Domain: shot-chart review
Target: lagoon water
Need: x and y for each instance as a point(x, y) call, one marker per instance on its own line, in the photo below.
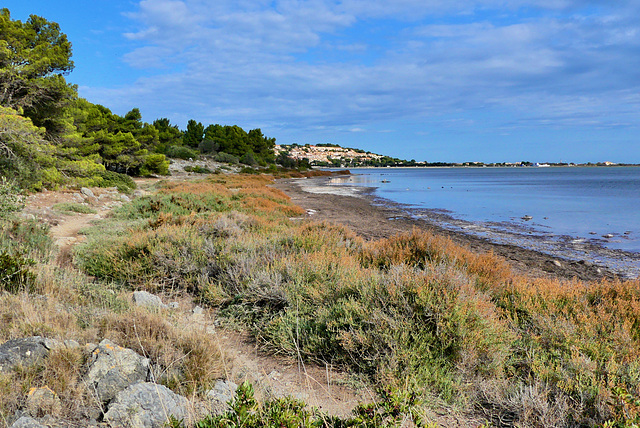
point(590, 213)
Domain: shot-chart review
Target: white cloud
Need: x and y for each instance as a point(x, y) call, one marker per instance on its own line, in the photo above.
point(258, 61)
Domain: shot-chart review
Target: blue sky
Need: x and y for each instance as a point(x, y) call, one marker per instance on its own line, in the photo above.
point(456, 80)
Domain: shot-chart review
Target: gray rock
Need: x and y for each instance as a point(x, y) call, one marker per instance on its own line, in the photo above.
point(145, 405)
point(125, 198)
point(147, 300)
point(174, 305)
point(114, 369)
point(27, 422)
point(198, 310)
point(22, 351)
point(223, 391)
point(87, 192)
point(43, 401)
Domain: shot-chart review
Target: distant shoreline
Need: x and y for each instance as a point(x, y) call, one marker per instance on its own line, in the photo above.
point(373, 221)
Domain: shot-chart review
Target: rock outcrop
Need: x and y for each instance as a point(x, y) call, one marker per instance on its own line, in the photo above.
point(146, 405)
point(114, 369)
point(22, 351)
point(148, 300)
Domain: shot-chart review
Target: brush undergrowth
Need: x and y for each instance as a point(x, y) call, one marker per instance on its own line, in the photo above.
point(411, 311)
point(414, 312)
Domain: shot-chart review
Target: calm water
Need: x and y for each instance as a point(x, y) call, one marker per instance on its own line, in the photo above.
point(573, 211)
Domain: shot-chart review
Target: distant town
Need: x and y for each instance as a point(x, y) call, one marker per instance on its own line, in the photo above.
point(335, 156)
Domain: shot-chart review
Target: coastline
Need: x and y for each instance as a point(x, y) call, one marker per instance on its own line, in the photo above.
point(371, 220)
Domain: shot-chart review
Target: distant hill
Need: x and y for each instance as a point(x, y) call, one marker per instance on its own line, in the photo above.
point(333, 155)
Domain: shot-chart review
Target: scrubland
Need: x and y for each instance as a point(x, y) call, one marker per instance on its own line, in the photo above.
point(443, 328)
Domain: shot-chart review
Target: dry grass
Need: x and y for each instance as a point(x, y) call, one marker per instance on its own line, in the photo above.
point(188, 362)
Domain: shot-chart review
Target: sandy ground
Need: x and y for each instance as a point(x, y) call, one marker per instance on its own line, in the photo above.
point(375, 222)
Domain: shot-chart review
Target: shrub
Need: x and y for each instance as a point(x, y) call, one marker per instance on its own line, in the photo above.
point(155, 163)
point(226, 158)
point(15, 272)
point(73, 207)
point(10, 199)
point(122, 182)
point(181, 152)
point(393, 410)
point(198, 169)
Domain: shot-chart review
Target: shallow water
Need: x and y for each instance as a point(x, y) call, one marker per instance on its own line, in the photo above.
point(574, 212)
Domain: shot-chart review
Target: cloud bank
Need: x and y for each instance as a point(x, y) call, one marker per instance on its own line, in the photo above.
point(352, 64)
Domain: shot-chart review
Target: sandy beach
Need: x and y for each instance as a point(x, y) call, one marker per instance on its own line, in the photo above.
point(373, 221)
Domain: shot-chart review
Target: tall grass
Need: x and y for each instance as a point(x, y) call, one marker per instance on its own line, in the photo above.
point(415, 311)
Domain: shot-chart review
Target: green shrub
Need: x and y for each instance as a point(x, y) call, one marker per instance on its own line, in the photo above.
point(198, 169)
point(10, 199)
point(122, 182)
point(73, 207)
point(181, 152)
point(393, 410)
point(226, 158)
point(249, 170)
point(155, 163)
point(15, 272)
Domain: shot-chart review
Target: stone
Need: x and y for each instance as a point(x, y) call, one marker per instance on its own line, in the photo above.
point(87, 192)
point(146, 405)
point(125, 198)
point(197, 310)
point(608, 236)
point(223, 391)
point(114, 369)
point(22, 351)
point(174, 305)
point(147, 300)
point(43, 401)
point(27, 422)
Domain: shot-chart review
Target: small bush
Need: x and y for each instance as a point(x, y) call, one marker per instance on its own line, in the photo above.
point(10, 199)
point(393, 410)
point(155, 163)
point(15, 272)
point(73, 207)
point(181, 152)
point(122, 182)
point(198, 169)
point(226, 158)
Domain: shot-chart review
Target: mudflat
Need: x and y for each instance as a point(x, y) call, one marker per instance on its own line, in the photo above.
point(374, 221)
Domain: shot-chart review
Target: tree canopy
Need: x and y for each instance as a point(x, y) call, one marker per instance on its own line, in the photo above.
point(50, 136)
point(34, 57)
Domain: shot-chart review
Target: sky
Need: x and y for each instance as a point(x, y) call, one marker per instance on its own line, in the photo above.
point(430, 80)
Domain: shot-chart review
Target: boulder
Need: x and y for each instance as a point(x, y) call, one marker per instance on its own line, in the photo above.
point(146, 405)
point(147, 300)
point(27, 422)
point(22, 351)
point(114, 369)
point(87, 192)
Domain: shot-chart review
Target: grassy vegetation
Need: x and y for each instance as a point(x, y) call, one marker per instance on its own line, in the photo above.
point(73, 207)
point(413, 311)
